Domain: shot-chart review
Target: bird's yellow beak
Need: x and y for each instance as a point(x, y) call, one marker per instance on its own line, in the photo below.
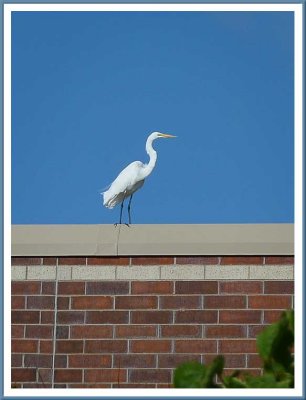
point(164, 135)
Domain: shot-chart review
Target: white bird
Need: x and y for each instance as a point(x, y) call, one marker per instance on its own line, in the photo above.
point(132, 178)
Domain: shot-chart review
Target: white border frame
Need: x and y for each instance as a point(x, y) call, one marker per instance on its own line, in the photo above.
point(236, 393)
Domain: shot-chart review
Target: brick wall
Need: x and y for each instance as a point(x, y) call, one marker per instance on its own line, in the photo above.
point(129, 321)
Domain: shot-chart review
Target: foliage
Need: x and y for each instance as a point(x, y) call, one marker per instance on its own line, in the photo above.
point(274, 345)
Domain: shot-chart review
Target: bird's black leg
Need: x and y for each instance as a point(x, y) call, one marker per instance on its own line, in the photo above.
point(129, 210)
point(121, 208)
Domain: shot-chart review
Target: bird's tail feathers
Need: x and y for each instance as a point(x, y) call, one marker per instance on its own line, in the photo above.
point(110, 199)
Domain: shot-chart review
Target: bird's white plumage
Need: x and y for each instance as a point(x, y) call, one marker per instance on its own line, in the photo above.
point(132, 177)
point(127, 182)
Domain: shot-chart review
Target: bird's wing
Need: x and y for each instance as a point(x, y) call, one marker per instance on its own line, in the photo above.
point(131, 171)
point(126, 183)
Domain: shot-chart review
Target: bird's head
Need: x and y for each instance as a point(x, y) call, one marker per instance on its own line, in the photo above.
point(157, 135)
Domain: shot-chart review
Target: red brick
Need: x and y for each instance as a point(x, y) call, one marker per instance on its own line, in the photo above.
point(105, 375)
point(40, 302)
point(47, 317)
point(16, 360)
point(18, 302)
point(152, 260)
point(71, 261)
point(197, 316)
point(70, 317)
point(277, 260)
point(23, 375)
point(39, 331)
point(44, 375)
point(150, 375)
point(26, 261)
point(234, 360)
point(180, 302)
point(48, 288)
point(254, 361)
point(37, 385)
point(198, 260)
point(71, 287)
point(218, 302)
point(134, 360)
point(46, 346)
point(151, 317)
point(135, 302)
point(272, 316)
point(180, 330)
point(230, 360)
point(60, 360)
point(90, 361)
point(279, 287)
point(130, 331)
point(164, 385)
point(24, 346)
point(196, 287)
point(246, 287)
point(195, 346)
point(28, 287)
point(49, 261)
point(237, 346)
point(62, 332)
point(38, 360)
point(150, 346)
point(25, 317)
point(270, 302)
point(108, 260)
point(69, 346)
point(254, 330)
point(62, 303)
point(89, 385)
point(133, 385)
point(107, 317)
point(240, 316)
point(91, 302)
point(91, 331)
point(223, 331)
point(15, 385)
point(68, 375)
point(17, 331)
point(115, 288)
point(174, 360)
point(105, 346)
point(152, 287)
point(241, 260)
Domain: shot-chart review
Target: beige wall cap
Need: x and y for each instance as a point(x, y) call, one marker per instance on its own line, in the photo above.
point(145, 240)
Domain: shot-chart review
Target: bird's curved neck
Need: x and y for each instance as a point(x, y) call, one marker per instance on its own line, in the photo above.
point(153, 157)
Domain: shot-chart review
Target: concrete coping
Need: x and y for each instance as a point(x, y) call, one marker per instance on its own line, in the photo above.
point(152, 240)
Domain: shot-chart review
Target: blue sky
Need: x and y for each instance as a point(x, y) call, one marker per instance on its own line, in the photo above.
point(88, 88)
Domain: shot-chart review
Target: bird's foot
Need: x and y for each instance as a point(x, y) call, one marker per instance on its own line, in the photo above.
point(119, 223)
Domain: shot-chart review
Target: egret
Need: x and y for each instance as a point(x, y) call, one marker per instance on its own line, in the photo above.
point(132, 178)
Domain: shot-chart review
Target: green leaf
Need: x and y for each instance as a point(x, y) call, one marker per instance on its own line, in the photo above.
point(274, 344)
point(189, 375)
point(196, 375)
point(215, 368)
point(268, 381)
point(233, 382)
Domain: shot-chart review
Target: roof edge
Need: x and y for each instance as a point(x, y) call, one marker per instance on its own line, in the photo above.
point(152, 240)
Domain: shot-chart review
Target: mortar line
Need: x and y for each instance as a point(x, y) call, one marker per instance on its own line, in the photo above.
point(55, 324)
